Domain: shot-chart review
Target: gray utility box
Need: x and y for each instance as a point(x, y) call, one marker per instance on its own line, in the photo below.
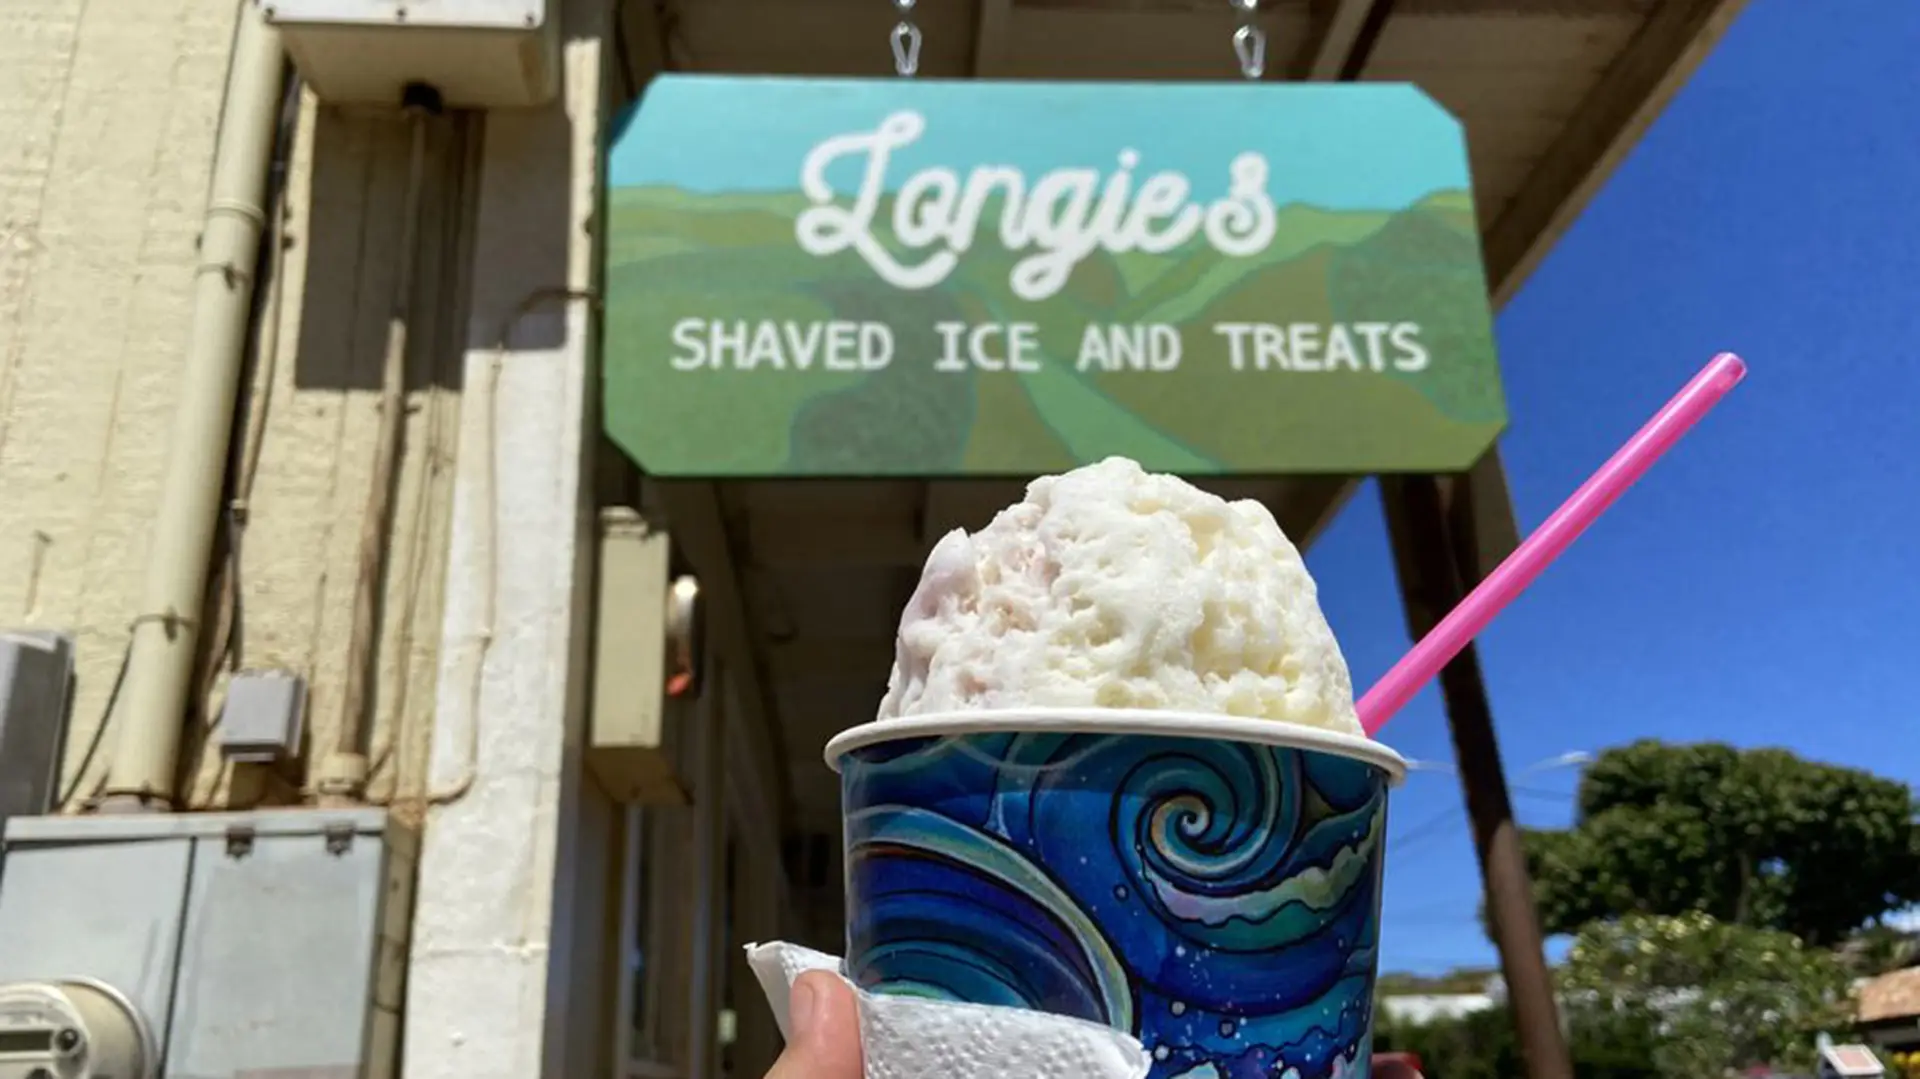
point(36, 672)
point(251, 944)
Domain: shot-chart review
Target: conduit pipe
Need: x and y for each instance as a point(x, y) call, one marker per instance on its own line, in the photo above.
point(341, 778)
point(166, 631)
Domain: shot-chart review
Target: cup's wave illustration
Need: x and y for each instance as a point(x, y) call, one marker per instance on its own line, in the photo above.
point(968, 886)
point(1218, 900)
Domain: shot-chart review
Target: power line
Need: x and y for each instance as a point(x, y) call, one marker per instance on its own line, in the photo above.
point(1457, 921)
point(1427, 827)
point(1542, 792)
point(1432, 907)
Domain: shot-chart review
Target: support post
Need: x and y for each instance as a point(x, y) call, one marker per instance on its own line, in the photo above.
point(1435, 564)
point(507, 881)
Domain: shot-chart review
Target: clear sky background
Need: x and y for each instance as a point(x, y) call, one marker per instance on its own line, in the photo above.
point(1762, 585)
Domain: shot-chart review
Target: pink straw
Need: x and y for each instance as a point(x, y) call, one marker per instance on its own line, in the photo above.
point(1467, 619)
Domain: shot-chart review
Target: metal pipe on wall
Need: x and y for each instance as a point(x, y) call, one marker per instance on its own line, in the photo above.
point(166, 630)
point(341, 777)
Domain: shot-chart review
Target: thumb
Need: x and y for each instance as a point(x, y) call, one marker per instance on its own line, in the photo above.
point(824, 1021)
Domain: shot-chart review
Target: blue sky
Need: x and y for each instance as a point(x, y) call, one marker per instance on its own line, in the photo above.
point(1760, 585)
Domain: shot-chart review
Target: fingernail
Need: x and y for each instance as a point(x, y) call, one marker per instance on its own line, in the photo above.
point(802, 1007)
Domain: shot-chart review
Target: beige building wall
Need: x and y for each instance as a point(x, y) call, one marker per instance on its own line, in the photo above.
point(108, 110)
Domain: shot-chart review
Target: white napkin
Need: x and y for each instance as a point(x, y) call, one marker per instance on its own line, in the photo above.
point(911, 1038)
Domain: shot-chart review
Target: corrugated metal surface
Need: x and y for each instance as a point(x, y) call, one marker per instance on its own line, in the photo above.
point(1891, 996)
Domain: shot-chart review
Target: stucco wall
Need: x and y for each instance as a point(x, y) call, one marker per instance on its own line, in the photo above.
point(108, 110)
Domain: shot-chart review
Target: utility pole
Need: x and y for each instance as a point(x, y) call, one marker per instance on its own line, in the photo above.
point(1435, 560)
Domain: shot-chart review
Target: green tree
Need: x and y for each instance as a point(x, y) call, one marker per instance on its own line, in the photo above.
point(1757, 837)
point(1720, 996)
point(1879, 949)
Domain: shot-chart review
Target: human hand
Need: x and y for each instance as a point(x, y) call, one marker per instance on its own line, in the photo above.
point(824, 1022)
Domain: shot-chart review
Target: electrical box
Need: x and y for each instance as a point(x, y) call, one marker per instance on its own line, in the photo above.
point(479, 54)
point(261, 721)
point(235, 944)
point(36, 677)
point(646, 637)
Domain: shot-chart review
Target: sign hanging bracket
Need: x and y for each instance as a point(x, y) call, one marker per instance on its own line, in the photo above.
point(906, 39)
point(1249, 41)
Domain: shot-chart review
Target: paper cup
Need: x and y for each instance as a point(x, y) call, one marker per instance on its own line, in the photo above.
point(1206, 884)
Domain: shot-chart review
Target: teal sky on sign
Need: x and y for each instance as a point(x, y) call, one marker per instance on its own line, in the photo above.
point(1346, 147)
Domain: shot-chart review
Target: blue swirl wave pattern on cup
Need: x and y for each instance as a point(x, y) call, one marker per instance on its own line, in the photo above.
point(1219, 900)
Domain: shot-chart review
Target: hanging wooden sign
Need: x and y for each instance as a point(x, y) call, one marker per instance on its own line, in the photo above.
point(836, 277)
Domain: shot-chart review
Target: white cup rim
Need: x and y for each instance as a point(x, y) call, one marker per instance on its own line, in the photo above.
point(1266, 732)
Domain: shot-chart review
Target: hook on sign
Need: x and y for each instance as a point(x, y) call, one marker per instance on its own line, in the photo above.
point(1249, 41)
point(1250, 45)
point(906, 50)
point(906, 41)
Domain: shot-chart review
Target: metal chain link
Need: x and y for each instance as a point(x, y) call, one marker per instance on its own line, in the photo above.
point(1249, 41)
point(906, 40)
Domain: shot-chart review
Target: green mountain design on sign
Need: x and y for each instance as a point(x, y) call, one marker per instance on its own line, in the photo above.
point(675, 255)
